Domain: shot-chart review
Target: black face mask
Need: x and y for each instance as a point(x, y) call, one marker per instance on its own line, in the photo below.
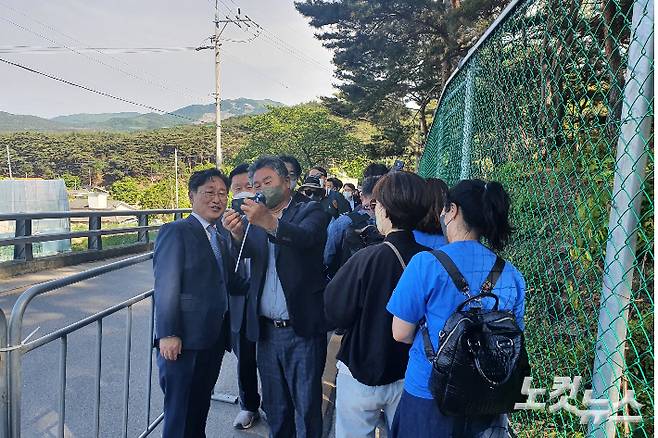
point(313, 196)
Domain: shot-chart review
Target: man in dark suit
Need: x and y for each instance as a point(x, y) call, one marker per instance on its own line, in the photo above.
point(193, 274)
point(285, 312)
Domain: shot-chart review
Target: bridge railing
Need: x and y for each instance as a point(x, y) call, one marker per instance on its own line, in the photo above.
point(15, 346)
point(24, 238)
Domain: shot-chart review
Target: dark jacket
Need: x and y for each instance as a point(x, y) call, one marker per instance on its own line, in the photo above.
point(355, 300)
point(298, 196)
point(299, 243)
point(191, 293)
point(335, 204)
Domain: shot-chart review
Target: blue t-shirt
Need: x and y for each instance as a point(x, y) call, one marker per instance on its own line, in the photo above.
point(434, 241)
point(426, 290)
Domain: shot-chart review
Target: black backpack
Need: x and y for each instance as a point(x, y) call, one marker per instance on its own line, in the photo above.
point(481, 361)
point(357, 236)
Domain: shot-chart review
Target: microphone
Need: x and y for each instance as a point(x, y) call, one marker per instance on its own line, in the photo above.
point(258, 198)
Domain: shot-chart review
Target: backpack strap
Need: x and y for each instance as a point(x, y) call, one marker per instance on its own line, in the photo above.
point(397, 253)
point(461, 284)
point(494, 275)
point(427, 343)
point(456, 276)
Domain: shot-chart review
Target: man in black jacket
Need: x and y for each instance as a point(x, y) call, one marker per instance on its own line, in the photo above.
point(285, 312)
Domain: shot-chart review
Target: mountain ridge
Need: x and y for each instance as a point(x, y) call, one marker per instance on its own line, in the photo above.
point(133, 121)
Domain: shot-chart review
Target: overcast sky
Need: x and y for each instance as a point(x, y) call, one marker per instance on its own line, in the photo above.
point(295, 71)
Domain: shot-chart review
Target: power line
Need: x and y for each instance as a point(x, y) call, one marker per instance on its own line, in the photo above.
point(23, 49)
point(274, 40)
point(92, 90)
point(255, 71)
point(160, 84)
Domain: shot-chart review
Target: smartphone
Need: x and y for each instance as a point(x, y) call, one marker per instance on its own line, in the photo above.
point(237, 203)
point(397, 166)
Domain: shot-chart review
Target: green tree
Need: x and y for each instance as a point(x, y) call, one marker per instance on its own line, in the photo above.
point(159, 195)
point(308, 132)
point(70, 181)
point(127, 190)
point(393, 55)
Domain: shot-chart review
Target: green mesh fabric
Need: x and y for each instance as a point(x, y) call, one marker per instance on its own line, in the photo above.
point(539, 107)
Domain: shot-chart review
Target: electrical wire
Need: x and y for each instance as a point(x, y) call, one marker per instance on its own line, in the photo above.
point(95, 91)
point(158, 83)
point(23, 49)
point(272, 39)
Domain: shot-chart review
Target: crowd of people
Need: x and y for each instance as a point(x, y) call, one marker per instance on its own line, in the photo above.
point(296, 257)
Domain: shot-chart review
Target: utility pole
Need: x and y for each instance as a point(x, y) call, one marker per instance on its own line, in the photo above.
point(176, 171)
point(215, 39)
point(219, 158)
point(9, 163)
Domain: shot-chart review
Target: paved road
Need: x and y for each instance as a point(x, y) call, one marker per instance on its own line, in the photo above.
point(40, 412)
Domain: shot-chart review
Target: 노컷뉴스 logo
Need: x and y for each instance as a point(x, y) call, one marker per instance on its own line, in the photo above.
point(564, 396)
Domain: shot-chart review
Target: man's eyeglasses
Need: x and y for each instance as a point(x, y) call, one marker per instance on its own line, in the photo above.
point(209, 196)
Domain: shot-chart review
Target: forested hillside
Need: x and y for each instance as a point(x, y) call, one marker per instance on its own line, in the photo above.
point(144, 161)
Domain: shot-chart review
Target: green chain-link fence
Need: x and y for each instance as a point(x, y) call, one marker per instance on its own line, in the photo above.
point(556, 103)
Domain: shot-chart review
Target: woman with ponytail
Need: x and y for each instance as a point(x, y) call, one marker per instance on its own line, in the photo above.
point(475, 222)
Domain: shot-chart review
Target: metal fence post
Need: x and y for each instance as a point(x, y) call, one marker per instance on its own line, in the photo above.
point(467, 132)
point(609, 361)
point(143, 235)
point(95, 242)
point(23, 251)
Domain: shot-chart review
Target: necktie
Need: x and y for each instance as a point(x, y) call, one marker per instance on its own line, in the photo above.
point(214, 244)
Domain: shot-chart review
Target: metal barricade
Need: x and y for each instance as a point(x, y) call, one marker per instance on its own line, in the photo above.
point(17, 347)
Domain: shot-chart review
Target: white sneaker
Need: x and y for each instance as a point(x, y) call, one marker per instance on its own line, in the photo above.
point(246, 419)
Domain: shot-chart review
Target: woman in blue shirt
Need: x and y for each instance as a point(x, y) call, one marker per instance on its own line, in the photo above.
point(473, 210)
point(428, 232)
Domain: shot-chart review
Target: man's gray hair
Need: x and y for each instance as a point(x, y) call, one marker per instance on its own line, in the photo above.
point(271, 161)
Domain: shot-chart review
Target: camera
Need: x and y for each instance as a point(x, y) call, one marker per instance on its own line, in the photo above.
point(237, 203)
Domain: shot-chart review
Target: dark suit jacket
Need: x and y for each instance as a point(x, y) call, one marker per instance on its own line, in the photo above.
point(191, 293)
point(299, 243)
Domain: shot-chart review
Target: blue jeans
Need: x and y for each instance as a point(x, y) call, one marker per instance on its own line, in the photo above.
point(420, 418)
point(291, 370)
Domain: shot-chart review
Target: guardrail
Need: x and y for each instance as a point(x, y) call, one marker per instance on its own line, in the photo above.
point(14, 347)
point(23, 237)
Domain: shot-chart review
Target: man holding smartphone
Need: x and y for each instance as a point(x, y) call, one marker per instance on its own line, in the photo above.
point(284, 307)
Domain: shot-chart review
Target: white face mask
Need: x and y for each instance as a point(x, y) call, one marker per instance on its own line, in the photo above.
point(243, 195)
point(348, 195)
point(383, 223)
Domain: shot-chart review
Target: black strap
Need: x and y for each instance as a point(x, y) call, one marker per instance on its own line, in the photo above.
point(494, 275)
point(453, 271)
point(427, 343)
point(459, 280)
point(461, 284)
